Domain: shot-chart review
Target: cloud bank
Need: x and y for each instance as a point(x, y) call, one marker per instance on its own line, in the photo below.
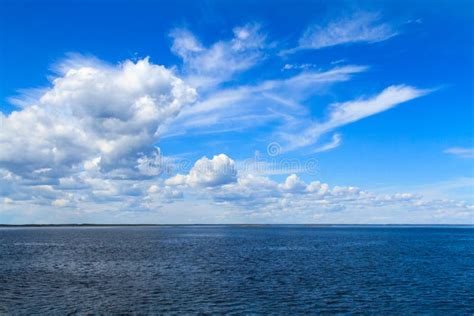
point(259, 195)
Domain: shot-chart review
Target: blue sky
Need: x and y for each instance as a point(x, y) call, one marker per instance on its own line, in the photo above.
point(150, 111)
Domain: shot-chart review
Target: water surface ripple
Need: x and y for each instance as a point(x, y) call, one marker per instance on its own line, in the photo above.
point(232, 269)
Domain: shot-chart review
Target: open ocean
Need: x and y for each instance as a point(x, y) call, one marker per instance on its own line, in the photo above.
point(237, 269)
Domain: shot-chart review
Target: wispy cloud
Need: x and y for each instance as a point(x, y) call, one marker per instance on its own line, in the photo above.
point(460, 152)
point(341, 114)
point(206, 67)
point(335, 142)
point(357, 28)
point(251, 105)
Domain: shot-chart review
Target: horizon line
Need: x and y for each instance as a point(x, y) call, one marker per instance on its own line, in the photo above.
point(231, 224)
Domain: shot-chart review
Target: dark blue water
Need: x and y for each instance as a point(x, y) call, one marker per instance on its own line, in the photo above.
point(284, 270)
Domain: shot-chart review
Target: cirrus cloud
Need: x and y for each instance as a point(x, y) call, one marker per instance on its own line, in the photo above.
point(209, 66)
point(460, 152)
point(357, 28)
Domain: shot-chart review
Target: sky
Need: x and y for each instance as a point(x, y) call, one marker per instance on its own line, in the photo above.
point(236, 112)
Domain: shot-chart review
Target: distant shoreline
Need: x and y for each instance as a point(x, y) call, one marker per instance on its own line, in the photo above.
point(232, 225)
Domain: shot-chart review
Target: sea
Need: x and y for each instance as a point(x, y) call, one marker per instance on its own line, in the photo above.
point(237, 269)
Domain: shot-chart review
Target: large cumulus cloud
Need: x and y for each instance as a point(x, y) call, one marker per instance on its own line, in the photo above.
point(93, 115)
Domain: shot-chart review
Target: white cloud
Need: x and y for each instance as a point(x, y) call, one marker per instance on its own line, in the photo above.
point(209, 66)
point(293, 184)
point(60, 202)
point(206, 172)
point(88, 140)
point(96, 115)
point(351, 111)
point(334, 143)
point(360, 27)
point(280, 102)
point(166, 193)
point(242, 106)
point(341, 114)
point(297, 66)
point(256, 195)
point(460, 152)
point(318, 187)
